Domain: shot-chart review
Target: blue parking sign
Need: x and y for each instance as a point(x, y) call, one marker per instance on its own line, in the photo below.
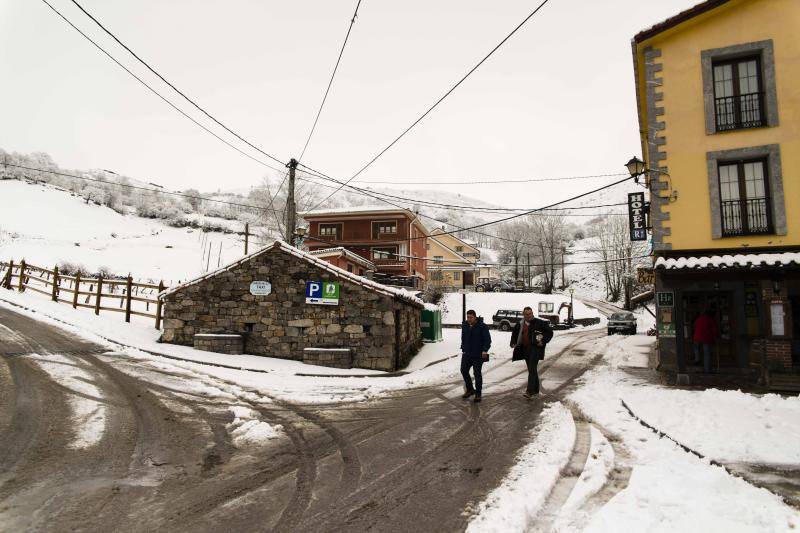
point(322, 292)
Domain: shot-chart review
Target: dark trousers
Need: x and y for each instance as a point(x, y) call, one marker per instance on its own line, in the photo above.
point(475, 364)
point(532, 361)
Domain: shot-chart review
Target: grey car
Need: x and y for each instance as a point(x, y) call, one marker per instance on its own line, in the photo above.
point(622, 323)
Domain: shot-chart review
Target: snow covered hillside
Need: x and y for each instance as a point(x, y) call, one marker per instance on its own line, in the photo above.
point(46, 226)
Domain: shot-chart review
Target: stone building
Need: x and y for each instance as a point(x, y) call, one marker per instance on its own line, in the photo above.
point(283, 302)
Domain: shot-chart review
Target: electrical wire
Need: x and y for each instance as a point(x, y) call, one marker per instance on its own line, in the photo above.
point(371, 192)
point(137, 187)
point(333, 74)
point(491, 182)
point(151, 69)
point(439, 101)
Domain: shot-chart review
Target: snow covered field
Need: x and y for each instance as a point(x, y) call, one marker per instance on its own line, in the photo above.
point(46, 226)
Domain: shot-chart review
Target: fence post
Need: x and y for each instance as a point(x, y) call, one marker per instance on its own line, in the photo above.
point(98, 294)
point(7, 281)
point(55, 283)
point(128, 299)
point(21, 287)
point(76, 289)
point(158, 304)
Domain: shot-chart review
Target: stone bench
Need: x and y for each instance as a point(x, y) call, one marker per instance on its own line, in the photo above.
point(332, 357)
point(226, 343)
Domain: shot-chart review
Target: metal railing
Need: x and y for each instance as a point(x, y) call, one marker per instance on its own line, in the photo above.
point(739, 112)
point(746, 217)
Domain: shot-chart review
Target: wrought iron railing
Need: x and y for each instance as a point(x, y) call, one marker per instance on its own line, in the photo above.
point(746, 217)
point(739, 112)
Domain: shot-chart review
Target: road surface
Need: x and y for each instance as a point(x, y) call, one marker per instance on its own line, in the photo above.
point(411, 461)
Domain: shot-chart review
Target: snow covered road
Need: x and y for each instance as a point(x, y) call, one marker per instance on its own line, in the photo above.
point(182, 450)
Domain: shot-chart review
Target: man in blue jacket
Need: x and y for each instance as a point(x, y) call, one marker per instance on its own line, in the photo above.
point(475, 343)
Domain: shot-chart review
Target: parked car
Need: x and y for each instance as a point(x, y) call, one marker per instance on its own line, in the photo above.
point(493, 285)
point(506, 319)
point(622, 323)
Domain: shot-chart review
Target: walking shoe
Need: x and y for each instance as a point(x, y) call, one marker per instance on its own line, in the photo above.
point(477, 398)
point(468, 394)
point(527, 395)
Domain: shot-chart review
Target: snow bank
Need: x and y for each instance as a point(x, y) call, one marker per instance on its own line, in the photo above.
point(247, 429)
point(511, 506)
point(670, 489)
point(728, 426)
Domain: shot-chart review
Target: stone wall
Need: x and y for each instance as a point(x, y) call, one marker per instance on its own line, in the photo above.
point(281, 324)
point(228, 344)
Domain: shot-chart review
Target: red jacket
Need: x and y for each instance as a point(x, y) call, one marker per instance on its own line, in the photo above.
point(705, 329)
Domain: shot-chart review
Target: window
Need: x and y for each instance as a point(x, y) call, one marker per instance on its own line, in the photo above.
point(745, 207)
point(738, 98)
point(438, 259)
point(546, 307)
point(384, 253)
point(427, 246)
point(459, 248)
point(349, 267)
point(739, 88)
point(456, 276)
point(385, 227)
point(746, 191)
point(360, 271)
point(436, 276)
point(330, 230)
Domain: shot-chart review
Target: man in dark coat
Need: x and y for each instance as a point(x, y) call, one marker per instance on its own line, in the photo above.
point(475, 343)
point(529, 338)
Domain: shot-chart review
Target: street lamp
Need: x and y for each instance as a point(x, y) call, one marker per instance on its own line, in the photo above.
point(636, 168)
point(570, 317)
point(299, 237)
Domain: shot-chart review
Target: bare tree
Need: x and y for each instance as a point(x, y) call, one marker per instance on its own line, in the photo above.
point(613, 245)
point(550, 235)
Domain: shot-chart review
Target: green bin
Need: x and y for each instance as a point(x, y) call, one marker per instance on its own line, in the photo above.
point(431, 324)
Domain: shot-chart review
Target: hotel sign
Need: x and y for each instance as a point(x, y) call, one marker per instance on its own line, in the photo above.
point(637, 210)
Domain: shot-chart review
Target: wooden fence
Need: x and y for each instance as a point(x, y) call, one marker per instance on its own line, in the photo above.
point(134, 298)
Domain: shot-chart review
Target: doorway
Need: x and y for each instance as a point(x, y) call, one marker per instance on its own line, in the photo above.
point(695, 303)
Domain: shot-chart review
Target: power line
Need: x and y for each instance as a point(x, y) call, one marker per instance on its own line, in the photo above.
point(491, 223)
point(480, 264)
point(371, 192)
point(151, 69)
point(129, 186)
point(491, 182)
point(333, 74)
point(439, 101)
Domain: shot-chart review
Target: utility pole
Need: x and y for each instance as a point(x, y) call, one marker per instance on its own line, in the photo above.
point(563, 279)
point(246, 237)
point(291, 214)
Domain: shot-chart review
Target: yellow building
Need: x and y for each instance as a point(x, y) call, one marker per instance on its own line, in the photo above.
point(452, 263)
point(718, 95)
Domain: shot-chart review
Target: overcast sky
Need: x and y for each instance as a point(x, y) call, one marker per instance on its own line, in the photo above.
point(556, 100)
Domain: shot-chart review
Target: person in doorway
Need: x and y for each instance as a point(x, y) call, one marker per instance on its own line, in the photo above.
point(475, 343)
point(705, 335)
point(529, 339)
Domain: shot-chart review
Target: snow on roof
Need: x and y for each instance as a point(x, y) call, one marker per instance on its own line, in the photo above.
point(728, 261)
point(355, 211)
point(347, 253)
point(400, 294)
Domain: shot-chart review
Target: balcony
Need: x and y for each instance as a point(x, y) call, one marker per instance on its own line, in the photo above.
point(754, 219)
point(740, 112)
